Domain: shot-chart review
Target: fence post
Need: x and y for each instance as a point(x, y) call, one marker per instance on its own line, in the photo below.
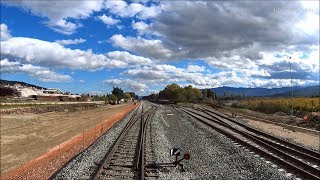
point(82, 139)
point(60, 155)
point(101, 124)
point(95, 132)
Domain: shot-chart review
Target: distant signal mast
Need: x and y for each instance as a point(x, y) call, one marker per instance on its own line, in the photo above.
point(291, 86)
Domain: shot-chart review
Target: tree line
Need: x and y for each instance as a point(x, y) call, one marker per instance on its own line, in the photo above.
point(176, 93)
point(116, 95)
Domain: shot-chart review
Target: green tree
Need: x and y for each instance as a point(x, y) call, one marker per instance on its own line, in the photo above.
point(113, 97)
point(175, 92)
point(118, 92)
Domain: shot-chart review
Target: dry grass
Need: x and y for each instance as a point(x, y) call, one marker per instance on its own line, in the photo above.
point(280, 104)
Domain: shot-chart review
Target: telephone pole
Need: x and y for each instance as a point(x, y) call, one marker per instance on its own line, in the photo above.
point(291, 87)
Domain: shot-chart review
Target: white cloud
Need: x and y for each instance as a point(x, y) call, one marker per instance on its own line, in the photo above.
point(108, 20)
point(195, 68)
point(41, 73)
point(140, 26)
point(167, 74)
point(129, 58)
point(123, 9)
point(44, 74)
point(276, 83)
point(128, 84)
point(5, 33)
point(48, 54)
point(6, 63)
point(63, 26)
point(71, 41)
point(163, 74)
point(60, 13)
point(150, 12)
point(144, 47)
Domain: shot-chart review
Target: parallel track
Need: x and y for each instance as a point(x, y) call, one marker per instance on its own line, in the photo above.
point(277, 150)
point(295, 149)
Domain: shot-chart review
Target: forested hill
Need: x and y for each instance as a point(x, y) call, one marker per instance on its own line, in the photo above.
point(6, 82)
point(274, 92)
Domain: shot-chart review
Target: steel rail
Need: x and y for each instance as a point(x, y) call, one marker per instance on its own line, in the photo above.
point(309, 153)
point(138, 163)
point(307, 171)
point(116, 143)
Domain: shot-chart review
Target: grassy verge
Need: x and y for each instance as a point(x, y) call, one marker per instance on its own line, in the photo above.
point(269, 106)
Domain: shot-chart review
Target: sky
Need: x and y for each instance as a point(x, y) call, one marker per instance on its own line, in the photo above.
point(141, 46)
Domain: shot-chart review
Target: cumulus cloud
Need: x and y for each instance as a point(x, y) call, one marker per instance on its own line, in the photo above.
point(60, 13)
point(164, 73)
point(71, 41)
point(218, 28)
point(123, 9)
point(140, 26)
point(230, 36)
point(141, 46)
point(5, 33)
point(236, 36)
point(41, 73)
point(129, 58)
point(108, 20)
point(129, 85)
point(48, 54)
point(4, 63)
point(195, 68)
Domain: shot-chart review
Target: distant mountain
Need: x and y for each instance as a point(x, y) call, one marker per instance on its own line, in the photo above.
point(303, 92)
point(6, 82)
point(275, 92)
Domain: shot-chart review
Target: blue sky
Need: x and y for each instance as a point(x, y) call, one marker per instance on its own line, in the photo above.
point(141, 46)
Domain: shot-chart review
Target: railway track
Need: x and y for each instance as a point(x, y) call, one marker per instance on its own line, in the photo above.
point(296, 159)
point(126, 158)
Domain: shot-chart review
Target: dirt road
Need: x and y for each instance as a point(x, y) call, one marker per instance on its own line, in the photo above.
point(306, 139)
point(24, 137)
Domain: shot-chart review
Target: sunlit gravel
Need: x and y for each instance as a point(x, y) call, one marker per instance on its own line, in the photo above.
point(80, 167)
point(213, 156)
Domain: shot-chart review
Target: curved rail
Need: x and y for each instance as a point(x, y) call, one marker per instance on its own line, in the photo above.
point(282, 157)
point(310, 153)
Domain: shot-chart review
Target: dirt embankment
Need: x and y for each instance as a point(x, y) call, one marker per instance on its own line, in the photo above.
point(279, 117)
point(48, 108)
point(250, 117)
point(26, 136)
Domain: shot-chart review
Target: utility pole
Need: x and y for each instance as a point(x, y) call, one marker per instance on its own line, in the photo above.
point(291, 87)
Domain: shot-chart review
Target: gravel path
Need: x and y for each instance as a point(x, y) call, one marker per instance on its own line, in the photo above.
point(80, 167)
point(213, 156)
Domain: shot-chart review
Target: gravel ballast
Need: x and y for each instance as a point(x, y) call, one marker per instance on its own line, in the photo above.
point(213, 156)
point(79, 167)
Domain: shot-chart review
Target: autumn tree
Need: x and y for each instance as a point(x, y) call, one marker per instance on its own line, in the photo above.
point(127, 96)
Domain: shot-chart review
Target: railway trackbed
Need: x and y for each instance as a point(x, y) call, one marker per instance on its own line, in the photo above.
point(126, 159)
point(296, 159)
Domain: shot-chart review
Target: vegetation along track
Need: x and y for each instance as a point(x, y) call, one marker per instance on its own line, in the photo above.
point(296, 159)
point(126, 158)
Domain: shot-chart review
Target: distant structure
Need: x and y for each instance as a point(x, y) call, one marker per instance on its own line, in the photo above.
point(52, 91)
point(21, 92)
